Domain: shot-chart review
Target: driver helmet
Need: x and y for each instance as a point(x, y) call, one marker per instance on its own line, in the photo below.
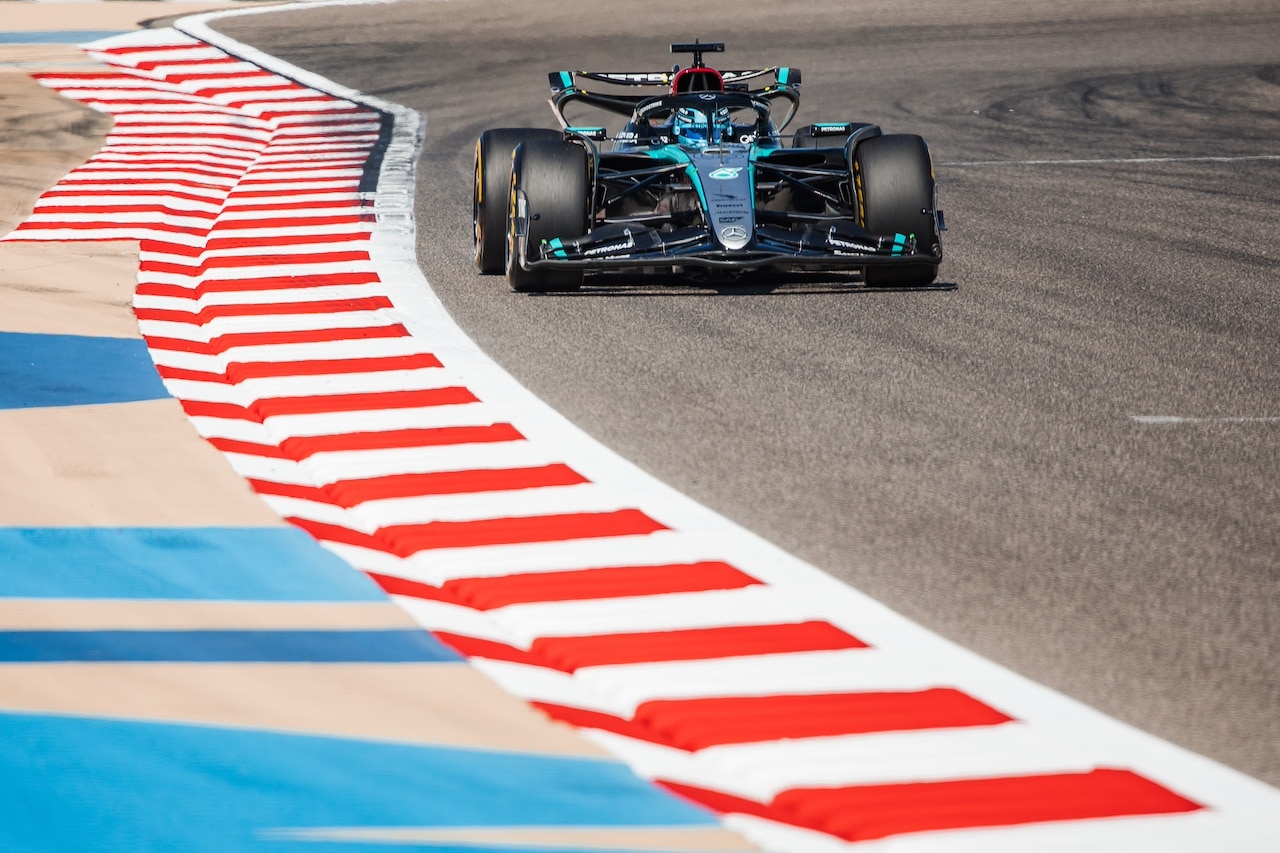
point(690, 127)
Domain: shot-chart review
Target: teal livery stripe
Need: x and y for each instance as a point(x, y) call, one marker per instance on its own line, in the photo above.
point(379, 646)
point(205, 563)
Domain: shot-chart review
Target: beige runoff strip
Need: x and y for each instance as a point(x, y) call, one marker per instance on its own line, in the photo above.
point(436, 704)
point(43, 136)
point(19, 17)
point(40, 614)
point(118, 465)
point(68, 288)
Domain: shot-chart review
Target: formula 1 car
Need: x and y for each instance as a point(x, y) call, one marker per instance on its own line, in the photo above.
point(700, 182)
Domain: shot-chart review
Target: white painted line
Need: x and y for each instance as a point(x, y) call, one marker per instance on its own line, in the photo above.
point(323, 469)
point(334, 350)
point(341, 423)
point(249, 391)
point(661, 548)
point(1112, 160)
point(750, 605)
point(459, 619)
point(249, 297)
point(1187, 833)
point(375, 319)
point(841, 671)
point(762, 770)
point(1161, 420)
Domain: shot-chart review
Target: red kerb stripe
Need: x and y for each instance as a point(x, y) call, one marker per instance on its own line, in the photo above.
point(241, 371)
point(240, 261)
point(350, 493)
point(225, 75)
point(361, 402)
point(409, 539)
point(694, 724)
point(868, 812)
point(292, 222)
point(474, 647)
point(584, 719)
point(259, 309)
point(392, 585)
point(340, 203)
point(253, 285)
point(108, 226)
point(222, 343)
point(51, 209)
point(303, 447)
point(248, 448)
point(569, 654)
point(323, 404)
point(336, 533)
point(487, 593)
point(226, 411)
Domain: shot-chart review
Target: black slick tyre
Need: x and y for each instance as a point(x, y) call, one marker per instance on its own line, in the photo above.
point(894, 178)
point(550, 177)
point(489, 196)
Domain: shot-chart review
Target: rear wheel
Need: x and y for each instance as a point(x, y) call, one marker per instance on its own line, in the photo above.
point(550, 177)
point(894, 177)
point(489, 197)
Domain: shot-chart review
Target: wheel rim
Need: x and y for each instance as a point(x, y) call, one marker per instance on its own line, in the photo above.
point(511, 226)
point(477, 208)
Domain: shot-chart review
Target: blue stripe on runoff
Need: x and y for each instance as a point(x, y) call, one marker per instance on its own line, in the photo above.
point(59, 36)
point(393, 645)
point(206, 563)
point(115, 786)
point(38, 371)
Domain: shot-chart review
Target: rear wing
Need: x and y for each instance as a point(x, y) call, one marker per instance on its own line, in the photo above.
point(734, 80)
point(566, 87)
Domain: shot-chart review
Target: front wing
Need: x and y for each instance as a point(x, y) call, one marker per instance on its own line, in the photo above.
point(832, 245)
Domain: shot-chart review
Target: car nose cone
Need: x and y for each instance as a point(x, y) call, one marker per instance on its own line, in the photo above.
point(734, 236)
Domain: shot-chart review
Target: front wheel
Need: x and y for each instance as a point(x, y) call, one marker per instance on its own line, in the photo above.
point(549, 191)
point(489, 194)
point(896, 195)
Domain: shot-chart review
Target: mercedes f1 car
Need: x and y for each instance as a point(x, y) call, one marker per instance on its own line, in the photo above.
point(700, 181)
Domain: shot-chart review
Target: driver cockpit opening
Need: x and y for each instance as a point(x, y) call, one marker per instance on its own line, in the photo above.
point(699, 128)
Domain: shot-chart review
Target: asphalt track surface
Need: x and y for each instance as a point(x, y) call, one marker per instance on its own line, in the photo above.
point(980, 456)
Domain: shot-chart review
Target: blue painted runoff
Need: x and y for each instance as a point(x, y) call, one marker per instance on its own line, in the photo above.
point(114, 786)
point(205, 563)
point(39, 371)
point(392, 645)
point(59, 36)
